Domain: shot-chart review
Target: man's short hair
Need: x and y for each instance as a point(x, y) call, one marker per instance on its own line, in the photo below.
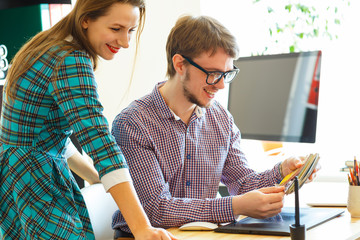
point(192, 36)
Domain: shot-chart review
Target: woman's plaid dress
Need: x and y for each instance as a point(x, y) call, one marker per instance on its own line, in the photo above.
point(39, 198)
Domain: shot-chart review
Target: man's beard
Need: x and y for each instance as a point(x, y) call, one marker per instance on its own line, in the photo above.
point(191, 97)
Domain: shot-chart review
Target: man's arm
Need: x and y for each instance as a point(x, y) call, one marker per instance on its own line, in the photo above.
point(238, 176)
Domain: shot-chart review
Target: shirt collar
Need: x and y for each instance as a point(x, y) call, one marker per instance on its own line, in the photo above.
point(199, 111)
point(69, 38)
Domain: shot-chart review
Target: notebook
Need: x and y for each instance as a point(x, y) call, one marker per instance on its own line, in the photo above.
point(325, 194)
point(279, 225)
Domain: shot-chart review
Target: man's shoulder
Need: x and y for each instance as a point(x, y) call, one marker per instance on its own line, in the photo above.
point(217, 109)
point(137, 109)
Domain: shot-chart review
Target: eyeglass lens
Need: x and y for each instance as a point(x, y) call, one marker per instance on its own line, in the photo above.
point(214, 78)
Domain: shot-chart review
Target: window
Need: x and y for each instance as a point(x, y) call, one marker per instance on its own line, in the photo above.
point(338, 117)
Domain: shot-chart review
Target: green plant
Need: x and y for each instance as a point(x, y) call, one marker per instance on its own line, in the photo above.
point(293, 23)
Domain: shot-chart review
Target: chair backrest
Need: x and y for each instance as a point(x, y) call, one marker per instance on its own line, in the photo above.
point(101, 206)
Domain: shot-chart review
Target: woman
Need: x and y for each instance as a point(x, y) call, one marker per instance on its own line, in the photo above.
point(49, 94)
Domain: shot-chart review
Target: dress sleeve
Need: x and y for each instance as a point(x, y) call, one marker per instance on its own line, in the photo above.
point(161, 207)
point(237, 175)
point(73, 88)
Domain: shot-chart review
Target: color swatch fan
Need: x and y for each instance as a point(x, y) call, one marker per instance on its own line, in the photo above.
point(303, 173)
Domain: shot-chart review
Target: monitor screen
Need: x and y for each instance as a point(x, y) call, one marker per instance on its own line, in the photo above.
point(275, 97)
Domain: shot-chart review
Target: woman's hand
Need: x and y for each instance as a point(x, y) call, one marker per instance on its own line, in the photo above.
point(130, 207)
point(151, 233)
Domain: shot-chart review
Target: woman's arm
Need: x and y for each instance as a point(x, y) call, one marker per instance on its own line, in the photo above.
point(74, 89)
point(82, 165)
point(130, 207)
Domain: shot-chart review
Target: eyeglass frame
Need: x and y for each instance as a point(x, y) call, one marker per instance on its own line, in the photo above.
point(223, 74)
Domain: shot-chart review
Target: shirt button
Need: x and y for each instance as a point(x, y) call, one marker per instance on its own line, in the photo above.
point(188, 183)
point(188, 156)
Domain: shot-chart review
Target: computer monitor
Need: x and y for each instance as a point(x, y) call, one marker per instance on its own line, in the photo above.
point(275, 97)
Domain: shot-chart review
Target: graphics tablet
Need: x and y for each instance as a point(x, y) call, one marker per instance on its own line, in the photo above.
point(279, 225)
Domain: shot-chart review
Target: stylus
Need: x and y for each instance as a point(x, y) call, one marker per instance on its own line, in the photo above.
point(297, 231)
point(297, 212)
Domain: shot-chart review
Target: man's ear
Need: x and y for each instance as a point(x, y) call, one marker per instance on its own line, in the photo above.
point(178, 63)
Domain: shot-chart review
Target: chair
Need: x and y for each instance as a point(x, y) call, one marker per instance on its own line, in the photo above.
point(101, 206)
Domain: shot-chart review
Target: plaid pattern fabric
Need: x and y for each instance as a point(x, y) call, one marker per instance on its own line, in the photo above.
point(39, 198)
point(176, 169)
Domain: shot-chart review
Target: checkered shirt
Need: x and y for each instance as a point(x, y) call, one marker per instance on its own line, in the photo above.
point(177, 168)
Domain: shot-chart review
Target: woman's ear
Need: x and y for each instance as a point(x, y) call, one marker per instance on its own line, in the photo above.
point(85, 23)
point(178, 63)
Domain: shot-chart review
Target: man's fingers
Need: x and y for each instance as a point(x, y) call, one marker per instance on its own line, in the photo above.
point(268, 190)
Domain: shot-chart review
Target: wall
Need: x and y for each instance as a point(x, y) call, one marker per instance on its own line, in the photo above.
point(113, 77)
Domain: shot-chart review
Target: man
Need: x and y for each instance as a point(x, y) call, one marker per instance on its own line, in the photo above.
point(180, 144)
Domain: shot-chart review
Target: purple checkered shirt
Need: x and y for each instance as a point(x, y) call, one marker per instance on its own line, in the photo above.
point(177, 168)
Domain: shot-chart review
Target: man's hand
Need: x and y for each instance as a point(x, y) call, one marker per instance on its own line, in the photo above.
point(292, 163)
point(262, 203)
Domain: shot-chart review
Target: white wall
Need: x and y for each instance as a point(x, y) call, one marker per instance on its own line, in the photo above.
point(113, 77)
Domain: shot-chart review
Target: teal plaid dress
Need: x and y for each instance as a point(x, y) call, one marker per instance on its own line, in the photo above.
point(39, 198)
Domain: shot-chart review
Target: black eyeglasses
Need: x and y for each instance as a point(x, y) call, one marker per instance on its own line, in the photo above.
point(213, 77)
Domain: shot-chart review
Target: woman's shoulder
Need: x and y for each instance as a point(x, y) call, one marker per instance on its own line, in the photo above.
point(79, 54)
point(79, 57)
point(68, 57)
point(62, 51)
point(66, 62)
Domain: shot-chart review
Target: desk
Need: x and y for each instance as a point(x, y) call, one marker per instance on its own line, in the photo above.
point(341, 228)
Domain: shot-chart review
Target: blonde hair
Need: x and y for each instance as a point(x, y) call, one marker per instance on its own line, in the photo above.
point(55, 36)
point(192, 36)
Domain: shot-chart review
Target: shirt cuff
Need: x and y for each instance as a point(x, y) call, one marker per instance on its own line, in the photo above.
point(115, 177)
point(222, 210)
point(277, 174)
